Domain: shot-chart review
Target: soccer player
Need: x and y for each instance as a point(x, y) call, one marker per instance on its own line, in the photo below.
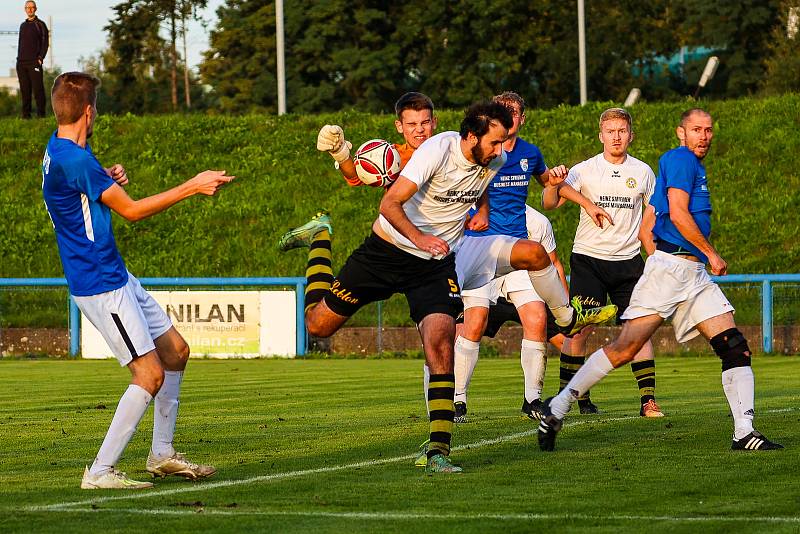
point(676, 284)
point(511, 298)
point(422, 218)
point(606, 261)
point(79, 195)
point(415, 122)
point(508, 215)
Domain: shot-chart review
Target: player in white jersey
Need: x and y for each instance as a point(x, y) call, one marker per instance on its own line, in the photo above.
point(527, 308)
point(606, 261)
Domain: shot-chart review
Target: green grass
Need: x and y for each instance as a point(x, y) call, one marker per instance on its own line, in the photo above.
point(288, 421)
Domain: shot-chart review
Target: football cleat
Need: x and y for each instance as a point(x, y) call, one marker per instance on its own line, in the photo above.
point(651, 409)
point(533, 409)
point(111, 479)
point(461, 412)
point(754, 441)
point(583, 317)
point(302, 236)
point(177, 465)
point(439, 463)
point(422, 455)
point(587, 407)
point(548, 428)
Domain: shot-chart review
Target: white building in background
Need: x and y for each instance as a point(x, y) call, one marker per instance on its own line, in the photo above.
point(10, 82)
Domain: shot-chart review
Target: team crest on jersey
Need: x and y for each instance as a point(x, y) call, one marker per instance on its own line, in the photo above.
point(631, 183)
point(523, 163)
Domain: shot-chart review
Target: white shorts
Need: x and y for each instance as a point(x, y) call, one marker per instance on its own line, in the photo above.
point(515, 287)
point(672, 286)
point(128, 318)
point(479, 260)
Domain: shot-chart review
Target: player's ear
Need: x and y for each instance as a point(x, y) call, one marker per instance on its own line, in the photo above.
point(434, 122)
point(681, 133)
point(600, 136)
point(399, 125)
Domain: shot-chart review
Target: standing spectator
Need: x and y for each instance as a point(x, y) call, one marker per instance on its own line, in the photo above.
point(33, 41)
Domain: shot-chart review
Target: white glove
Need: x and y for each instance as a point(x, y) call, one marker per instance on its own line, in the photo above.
point(331, 139)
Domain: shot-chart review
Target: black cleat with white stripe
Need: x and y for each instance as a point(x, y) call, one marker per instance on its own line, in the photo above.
point(548, 428)
point(754, 441)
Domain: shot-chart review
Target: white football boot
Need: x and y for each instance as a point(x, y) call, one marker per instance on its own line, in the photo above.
point(112, 479)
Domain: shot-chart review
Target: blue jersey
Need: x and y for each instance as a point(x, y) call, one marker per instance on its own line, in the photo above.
point(681, 169)
point(72, 185)
point(508, 191)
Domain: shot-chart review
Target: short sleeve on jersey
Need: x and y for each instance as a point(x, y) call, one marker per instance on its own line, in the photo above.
point(90, 177)
point(574, 179)
point(680, 170)
point(650, 187)
point(426, 159)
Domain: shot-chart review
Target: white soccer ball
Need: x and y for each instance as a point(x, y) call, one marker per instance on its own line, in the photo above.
point(377, 163)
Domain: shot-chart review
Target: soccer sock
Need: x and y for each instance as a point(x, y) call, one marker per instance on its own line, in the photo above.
point(131, 408)
point(426, 380)
point(645, 374)
point(165, 414)
point(569, 365)
point(739, 386)
point(319, 273)
point(442, 412)
point(534, 364)
point(548, 285)
point(597, 366)
point(466, 358)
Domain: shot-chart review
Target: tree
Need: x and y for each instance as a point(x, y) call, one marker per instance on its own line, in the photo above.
point(783, 63)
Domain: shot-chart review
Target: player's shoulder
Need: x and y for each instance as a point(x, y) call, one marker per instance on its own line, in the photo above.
point(526, 148)
point(679, 156)
point(588, 165)
point(637, 164)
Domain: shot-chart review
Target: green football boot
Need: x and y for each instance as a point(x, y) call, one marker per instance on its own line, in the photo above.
point(302, 236)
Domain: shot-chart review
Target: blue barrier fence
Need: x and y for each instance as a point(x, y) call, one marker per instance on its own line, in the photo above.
point(766, 281)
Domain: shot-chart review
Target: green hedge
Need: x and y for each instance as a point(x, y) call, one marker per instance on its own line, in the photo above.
point(282, 180)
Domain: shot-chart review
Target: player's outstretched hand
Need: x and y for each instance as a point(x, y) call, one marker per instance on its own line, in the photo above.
point(208, 182)
point(557, 175)
point(719, 267)
point(598, 214)
point(331, 139)
point(118, 174)
point(438, 248)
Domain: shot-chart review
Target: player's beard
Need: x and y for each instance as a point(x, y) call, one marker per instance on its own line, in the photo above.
point(479, 156)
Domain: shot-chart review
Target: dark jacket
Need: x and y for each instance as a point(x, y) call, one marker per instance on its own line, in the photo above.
point(33, 41)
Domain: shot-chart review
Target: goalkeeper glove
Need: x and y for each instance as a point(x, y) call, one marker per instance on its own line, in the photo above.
point(331, 139)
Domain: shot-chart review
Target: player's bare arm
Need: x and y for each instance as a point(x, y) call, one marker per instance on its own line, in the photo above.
point(682, 219)
point(204, 183)
point(597, 214)
point(480, 221)
point(392, 209)
point(646, 230)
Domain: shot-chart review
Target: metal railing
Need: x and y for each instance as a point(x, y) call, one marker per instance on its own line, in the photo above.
point(766, 281)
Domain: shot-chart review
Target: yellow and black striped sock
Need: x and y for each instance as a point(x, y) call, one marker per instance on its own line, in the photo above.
point(645, 374)
point(440, 403)
point(319, 273)
point(567, 369)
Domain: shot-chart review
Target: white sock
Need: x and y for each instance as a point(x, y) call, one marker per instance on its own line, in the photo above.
point(548, 285)
point(426, 380)
point(131, 408)
point(165, 414)
point(466, 358)
point(534, 365)
point(597, 366)
point(739, 386)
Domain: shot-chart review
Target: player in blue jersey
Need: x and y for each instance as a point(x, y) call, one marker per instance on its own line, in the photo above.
point(507, 194)
point(675, 284)
point(79, 195)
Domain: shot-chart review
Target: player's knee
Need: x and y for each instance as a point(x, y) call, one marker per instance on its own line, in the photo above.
point(318, 328)
point(731, 346)
point(183, 352)
point(530, 256)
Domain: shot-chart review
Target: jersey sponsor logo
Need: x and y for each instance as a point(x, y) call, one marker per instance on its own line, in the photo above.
point(631, 183)
point(609, 201)
point(462, 197)
point(512, 180)
point(523, 164)
point(343, 294)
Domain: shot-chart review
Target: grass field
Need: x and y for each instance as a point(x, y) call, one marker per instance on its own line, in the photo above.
point(327, 446)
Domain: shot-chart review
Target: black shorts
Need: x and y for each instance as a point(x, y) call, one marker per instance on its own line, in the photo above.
point(595, 281)
point(377, 269)
point(506, 311)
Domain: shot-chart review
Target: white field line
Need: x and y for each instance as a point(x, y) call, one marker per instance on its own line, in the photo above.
point(412, 516)
point(145, 494)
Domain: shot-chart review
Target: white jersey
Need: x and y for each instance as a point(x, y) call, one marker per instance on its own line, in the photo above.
point(447, 185)
point(622, 190)
point(540, 229)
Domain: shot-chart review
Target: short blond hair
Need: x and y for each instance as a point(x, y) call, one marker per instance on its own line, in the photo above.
point(72, 92)
point(616, 113)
